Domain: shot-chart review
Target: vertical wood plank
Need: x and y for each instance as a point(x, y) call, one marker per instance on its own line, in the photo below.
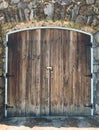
point(66, 40)
point(33, 73)
point(38, 69)
point(57, 75)
point(22, 83)
point(44, 71)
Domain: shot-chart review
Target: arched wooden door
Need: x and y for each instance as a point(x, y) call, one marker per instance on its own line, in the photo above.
point(48, 73)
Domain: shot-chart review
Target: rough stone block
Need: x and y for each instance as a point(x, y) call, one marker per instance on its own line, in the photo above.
point(81, 19)
point(97, 79)
point(96, 68)
point(96, 37)
point(74, 12)
point(97, 108)
point(96, 54)
point(97, 1)
point(1, 83)
point(1, 99)
point(49, 11)
point(3, 4)
point(97, 94)
point(90, 1)
point(15, 1)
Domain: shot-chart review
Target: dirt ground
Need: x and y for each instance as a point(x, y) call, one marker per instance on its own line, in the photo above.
point(50, 123)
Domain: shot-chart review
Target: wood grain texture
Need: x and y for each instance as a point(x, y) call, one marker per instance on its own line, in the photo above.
point(35, 89)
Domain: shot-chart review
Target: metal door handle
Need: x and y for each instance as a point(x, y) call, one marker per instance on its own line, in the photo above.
point(49, 68)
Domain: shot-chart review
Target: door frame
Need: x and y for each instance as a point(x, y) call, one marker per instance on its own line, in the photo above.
point(49, 27)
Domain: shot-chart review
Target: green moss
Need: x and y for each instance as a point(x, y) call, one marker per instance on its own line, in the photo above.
point(6, 27)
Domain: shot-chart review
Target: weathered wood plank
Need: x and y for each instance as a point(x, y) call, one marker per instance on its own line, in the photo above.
point(44, 71)
point(57, 77)
point(33, 73)
point(66, 70)
point(22, 80)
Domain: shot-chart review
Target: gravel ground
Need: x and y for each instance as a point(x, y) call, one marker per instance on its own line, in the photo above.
point(50, 123)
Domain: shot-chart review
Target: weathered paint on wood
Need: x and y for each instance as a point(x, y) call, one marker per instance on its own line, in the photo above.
point(49, 68)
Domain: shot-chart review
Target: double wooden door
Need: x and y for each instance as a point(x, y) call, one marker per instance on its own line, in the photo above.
point(48, 73)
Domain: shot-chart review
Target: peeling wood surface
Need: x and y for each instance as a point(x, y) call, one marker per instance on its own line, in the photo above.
point(49, 68)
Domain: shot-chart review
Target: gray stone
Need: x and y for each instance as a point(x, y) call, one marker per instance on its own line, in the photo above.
point(94, 22)
point(1, 83)
point(97, 88)
point(26, 12)
point(97, 16)
point(97, 108)
point(74, 12)
point(16, 18)
point(67, 2)
point(89, 20)
point(1, 50)
point(21, 5)
point(81, 19)
point(90, 1)
point(1, 18)
point(86, 10)
point(96, 9)
point(69, 8)
point(3, 4)
point(97, 95)
point(83, 123)
point(96, 37)
point(20, 14)
point(30, 5)
point(1, 98)
point(32, 14)
point(96, 54)
point(62, 13)
point(97, 1)
point(0, 36)
point(15, 1)
point(96, 68)
point(1, 72)
point(49, 11)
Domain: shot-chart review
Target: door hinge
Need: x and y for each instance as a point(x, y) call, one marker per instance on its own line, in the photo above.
point(89, 75)
point(9, 75)
point(8, 106)
point(90, 105)
point(90, 45)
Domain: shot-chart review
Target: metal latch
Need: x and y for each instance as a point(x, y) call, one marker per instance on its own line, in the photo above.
point(49, 68)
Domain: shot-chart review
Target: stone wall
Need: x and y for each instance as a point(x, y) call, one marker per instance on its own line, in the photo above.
point(96, 71)
point(2, 54)
point(79, 11)
point(15, 14)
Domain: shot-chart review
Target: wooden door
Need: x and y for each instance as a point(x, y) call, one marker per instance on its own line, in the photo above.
point(24, 63)
point(48, 73)
point(70, 84)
